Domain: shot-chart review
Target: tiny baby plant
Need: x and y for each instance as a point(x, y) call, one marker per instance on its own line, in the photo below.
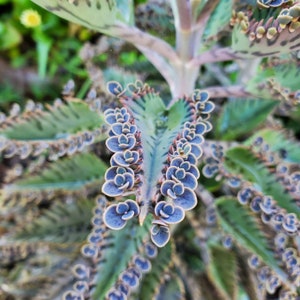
point(189, 190)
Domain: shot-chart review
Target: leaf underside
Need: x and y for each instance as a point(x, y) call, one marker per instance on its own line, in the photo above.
point(99, 15)
point(59, 122)
point(241, 224)
point(71, 173)
point(241, 161)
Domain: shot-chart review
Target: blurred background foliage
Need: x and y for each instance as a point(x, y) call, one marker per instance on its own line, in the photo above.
point(35, 62)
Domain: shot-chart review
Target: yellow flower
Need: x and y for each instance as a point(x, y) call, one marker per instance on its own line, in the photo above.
point(30, 18)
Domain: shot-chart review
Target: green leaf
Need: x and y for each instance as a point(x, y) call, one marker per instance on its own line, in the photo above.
point(119, 75)
point(158, 127)
point(247, 278)
point(278, 142)
point(257, 85)
point(241, 161)
point(115, 256)
point(240, 116)
point(242, 225)
point(9, 36)
point(219, 18)
point(287, 75)
point(71, 173)
point(54, 123)
point(48, 270)
point(171, 289)
point(284, 75)
point(222, 271)
point(61, 223)
point(99, 15)
point(43, 47)
point(160, 264)
point(157, 17)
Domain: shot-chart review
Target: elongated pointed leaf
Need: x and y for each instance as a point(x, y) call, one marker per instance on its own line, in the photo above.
point(119, 75)
point(287, 75)
point(284, 75)
point(54, 267)
point(99, 15)
point(241, 160)
point(247, 278)
point(222, 271)
point(158, 127)
point(219, 18)
point(67, 174)
point(278, 142)
point(115, 257)
point(172, 289)
point(53, 124)
point(10, 36)
point(241, 224)
point(156, 17)
point(257, 85)
point(240, 116)
point(160, 265)
point(62, 223)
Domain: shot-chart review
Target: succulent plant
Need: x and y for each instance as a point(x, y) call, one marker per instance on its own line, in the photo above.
point(188, 190)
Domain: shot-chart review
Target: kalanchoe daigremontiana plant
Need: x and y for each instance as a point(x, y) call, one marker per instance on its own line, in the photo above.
point(156, 151)
point(163, 232)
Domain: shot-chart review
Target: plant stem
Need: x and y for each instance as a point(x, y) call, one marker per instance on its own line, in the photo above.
point(185, 75)
point(204, 15)
point(229, 91)
point(215, 55)
point(183, 25)
point(142, 39)
point(182, 14)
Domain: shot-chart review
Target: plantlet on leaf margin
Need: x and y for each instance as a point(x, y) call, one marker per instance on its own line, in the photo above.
point(155, 156)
